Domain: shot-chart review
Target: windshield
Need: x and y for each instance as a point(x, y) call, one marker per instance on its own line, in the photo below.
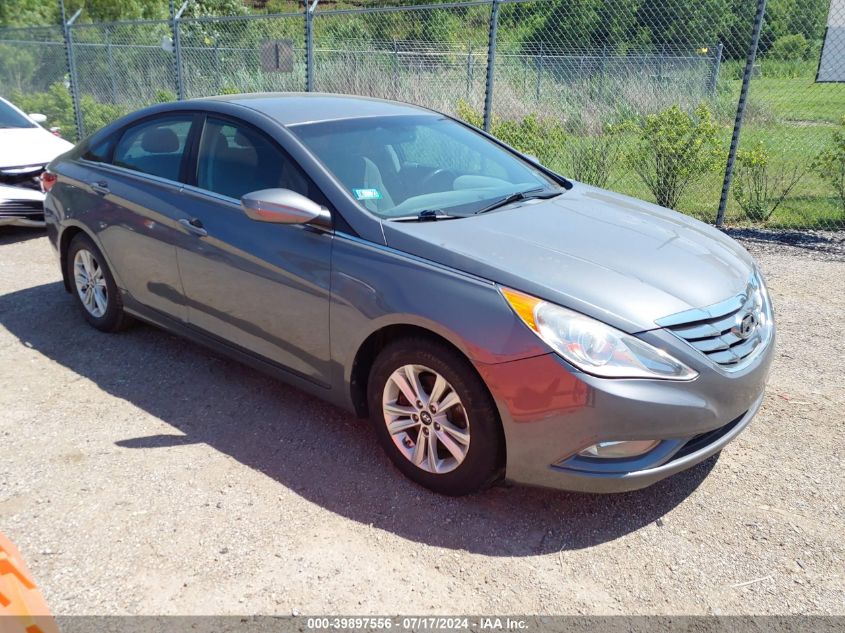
point(9, 117)
point(402, 166)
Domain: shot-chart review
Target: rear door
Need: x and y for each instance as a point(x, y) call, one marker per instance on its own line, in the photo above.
point(139, 193)
point(262, 286)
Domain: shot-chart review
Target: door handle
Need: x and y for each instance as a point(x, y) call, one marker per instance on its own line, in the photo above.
point(100, 187)
point(194, 226)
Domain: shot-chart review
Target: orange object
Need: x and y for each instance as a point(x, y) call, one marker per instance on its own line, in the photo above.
point(22, 609)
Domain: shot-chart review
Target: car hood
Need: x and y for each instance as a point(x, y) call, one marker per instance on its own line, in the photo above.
point(29, 146)
point(615, 258)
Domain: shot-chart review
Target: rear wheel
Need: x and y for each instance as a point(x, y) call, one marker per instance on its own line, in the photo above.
point(94, 288)
point(434, 416)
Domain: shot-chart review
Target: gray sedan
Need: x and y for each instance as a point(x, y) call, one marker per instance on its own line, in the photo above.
point(492, 318)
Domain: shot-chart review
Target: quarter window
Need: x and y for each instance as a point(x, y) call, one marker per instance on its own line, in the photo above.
point(99, 152)
point(155, 146)
point(236, 159)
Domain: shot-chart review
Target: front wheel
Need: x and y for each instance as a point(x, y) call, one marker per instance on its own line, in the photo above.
point(434, 417)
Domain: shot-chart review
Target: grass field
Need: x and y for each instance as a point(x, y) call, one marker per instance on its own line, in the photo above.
point(794, 120)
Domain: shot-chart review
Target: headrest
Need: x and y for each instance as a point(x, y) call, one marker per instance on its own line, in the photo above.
point(160, 140)
point(241, 140)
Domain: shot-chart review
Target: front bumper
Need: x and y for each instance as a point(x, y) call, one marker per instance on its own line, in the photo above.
point(21, 206)
point(550, 412)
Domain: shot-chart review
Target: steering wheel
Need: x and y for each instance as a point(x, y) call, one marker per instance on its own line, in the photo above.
point(441, 172)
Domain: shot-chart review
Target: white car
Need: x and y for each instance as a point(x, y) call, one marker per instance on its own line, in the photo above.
point(25, 149)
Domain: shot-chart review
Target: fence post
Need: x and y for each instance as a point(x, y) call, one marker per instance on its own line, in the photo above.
point(177, 49)
point(539, 74)
point(740, 110)
point(491, 63)
point(310, 5)
point(110, 57)
point(395, 69)
point(217, 83)
point(71, 68)
point(714, 69)
point(469, 72)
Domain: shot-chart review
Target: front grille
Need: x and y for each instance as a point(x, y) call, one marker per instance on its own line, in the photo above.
point(21, 207)
point(730, 333)
point(701, 440)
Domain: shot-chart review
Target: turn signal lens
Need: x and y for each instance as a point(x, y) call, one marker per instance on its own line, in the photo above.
point(523, 305)
point(48, 179)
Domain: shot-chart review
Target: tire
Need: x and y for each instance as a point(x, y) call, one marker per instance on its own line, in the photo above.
point(104, 310)
point(469, 427)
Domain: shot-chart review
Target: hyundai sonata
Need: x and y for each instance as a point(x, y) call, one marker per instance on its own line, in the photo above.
point(491, 317)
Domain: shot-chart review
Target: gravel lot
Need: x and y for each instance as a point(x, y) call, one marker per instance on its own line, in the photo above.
point(142, 474)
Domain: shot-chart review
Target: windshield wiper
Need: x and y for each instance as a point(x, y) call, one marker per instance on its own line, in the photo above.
point(426, 215)
point(516, 197)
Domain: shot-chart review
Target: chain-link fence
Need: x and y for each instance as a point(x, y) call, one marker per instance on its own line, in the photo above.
point(731, 112)
point(243, 54)
point(31, 59)
point(790, 166)
point(405, 53)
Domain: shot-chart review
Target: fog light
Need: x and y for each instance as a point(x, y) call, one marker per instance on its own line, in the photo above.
point(609, 450)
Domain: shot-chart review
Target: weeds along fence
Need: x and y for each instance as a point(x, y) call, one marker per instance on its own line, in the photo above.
point(731, 112)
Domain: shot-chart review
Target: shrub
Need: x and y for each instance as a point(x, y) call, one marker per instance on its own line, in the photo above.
point(466, 112)
point(531, 135)
point(830, 163)
point(758, 188)
point(96, 114)
point(674, 149)
point(57, 106)
point(591, 159)
point(542, 138)
point(789, 47)
point(164, 96)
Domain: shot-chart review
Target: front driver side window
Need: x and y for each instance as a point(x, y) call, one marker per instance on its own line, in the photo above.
point(155, 146)
point(237, 159)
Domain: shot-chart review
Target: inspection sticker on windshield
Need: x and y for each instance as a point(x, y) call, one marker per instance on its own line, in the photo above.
point(367, 194)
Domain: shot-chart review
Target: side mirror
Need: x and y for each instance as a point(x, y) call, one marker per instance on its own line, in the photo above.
point(532, 158)
point(37, 117)
point(282, 206)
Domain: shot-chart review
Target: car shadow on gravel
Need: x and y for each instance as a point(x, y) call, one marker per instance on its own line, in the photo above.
point(322, 453)
point(14, 234)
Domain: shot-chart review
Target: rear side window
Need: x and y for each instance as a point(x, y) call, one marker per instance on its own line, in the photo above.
point(155, 146)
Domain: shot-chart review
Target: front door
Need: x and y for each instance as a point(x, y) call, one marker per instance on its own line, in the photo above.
point(262, 286)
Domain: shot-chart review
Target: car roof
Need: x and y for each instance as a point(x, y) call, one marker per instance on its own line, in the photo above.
point(295, 108)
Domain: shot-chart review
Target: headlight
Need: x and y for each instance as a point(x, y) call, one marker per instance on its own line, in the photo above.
point(592, 346)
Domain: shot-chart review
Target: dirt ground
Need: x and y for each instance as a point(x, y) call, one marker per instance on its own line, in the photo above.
point(140, 474)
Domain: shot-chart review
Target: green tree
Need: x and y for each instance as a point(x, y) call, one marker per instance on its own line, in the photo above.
point(683, 24)
point(578, 24)
point(797, 17)
point(28, 13)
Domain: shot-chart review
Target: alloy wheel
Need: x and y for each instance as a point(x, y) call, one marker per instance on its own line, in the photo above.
point(90, 283)
point(426, 419)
